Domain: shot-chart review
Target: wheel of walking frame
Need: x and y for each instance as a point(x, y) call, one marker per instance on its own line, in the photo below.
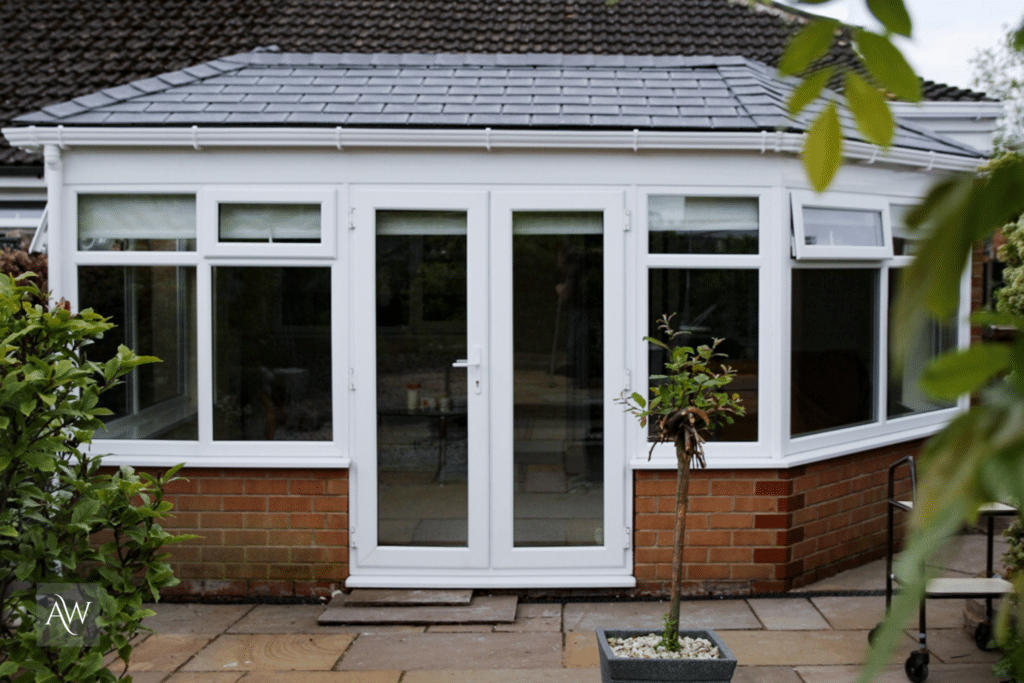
point(917, 666)
point(983, 636)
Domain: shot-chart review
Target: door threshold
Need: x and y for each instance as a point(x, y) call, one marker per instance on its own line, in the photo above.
point(370, 580)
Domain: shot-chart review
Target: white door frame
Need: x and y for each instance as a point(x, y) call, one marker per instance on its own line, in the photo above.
point(614, 551)
point(366, 551)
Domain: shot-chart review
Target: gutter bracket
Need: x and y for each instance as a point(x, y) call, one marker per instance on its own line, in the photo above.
point(60, 136)
point(778, 141)
point(195, 138)
point(874, 155)
point(487, 138)
point(764, 140)
point(337, 139)
point(636, 139)
point(931, 160)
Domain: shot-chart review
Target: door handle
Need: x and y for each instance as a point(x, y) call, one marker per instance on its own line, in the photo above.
point(473, 362)
point(472, 365)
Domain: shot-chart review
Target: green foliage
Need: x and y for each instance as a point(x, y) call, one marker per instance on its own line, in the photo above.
point(686, 405)
point(998, 72)
point(1011, 294)
point(1011, 664)
point(61, 519)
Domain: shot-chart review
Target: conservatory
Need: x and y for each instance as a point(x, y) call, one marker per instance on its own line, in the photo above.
point(427, 279)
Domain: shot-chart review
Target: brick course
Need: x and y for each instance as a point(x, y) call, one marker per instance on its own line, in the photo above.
point(751, 531)
point(273, 533)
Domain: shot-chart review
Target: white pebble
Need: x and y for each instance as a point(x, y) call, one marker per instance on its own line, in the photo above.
point(648, 647)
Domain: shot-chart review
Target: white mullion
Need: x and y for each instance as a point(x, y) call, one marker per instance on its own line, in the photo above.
point(136, 258)
point(204, 351)
point(882, 372)
point(784, 263)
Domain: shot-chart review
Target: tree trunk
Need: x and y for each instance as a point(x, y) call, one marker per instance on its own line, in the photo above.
point(671, 635)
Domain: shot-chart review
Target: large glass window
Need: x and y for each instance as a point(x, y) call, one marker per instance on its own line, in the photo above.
point(136, 222)
point(422, 437)
point(154, 310)
point(834, 348)
point(272, 354)
point(712, 304)
point(702, 225)
point(905, 396)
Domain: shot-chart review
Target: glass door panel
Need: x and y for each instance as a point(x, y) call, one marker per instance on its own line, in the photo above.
point(422, 436)
point(558, 378)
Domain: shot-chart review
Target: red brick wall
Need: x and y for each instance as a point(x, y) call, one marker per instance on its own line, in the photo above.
point(765, 530)
point(265, 532)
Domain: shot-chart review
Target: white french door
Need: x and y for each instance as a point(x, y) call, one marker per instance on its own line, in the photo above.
point(488, 351)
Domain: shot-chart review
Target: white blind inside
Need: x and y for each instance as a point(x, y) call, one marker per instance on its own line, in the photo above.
point(842, 227)
point(136, 216)
point(421, 223)
point(702, 214)
point(557, 223)
point(269, 222)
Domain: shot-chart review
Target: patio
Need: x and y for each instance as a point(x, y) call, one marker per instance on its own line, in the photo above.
point(803, 637)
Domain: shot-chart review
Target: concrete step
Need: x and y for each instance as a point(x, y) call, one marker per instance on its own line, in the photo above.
point(386, 597)
point(483, 609)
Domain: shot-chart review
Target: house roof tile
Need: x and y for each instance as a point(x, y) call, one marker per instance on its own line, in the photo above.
point(292, 89)
point(63, 49)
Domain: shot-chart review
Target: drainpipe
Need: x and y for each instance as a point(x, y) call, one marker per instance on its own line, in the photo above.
point(54, 174)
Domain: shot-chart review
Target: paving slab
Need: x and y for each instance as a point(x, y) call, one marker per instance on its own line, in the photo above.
point(967, 554)
point(714, 614)
point(504, 676)
point(278, 652)
point(867, 577)
point(866, 611)
point(190, 618)
point(379, 597)
point(303, 619)
point(974, 673)
point(484, 609)
point(581, 650)
point(447, 650)
point(778, 614)
point(322, 677)
point(536, 617)
point(954, 646)
point(149, 677)
point(163, 652)
point(460, 628)
point(205, 677)
point(801, 648)
point(765, 674)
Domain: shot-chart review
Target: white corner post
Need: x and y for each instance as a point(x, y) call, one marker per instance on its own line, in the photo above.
point(54, 173)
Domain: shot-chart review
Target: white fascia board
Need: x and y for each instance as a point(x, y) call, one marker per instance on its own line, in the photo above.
point(969, 111)
point(32, 137)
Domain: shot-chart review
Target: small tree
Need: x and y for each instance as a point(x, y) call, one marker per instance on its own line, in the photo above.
point(686, 405)
point(62, 520)
point(1010, 297)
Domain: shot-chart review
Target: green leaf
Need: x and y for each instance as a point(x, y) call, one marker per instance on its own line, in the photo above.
point(893, 15)
point(808, 46)
point(9, 531)
point(823, 149)
point(808, 90)
point(886, 63)
point(640, 400)
point(1017, 40)
point(870, 109)
point(964, 371)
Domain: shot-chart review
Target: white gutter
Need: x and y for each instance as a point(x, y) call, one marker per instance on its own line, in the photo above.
point(32, 137)
point(942, 110)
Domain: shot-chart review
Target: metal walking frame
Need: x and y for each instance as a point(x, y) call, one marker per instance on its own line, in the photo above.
point(989, 587)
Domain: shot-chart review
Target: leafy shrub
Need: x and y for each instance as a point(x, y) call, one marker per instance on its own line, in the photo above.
point(61, 519)
point(17, 262)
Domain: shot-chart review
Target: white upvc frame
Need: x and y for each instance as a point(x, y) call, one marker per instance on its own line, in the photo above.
point(883, 429)
point(719, 454)
point(366, 555)
point(210, 198)
point(204, 451)
point(845, 201)
point(614, 555)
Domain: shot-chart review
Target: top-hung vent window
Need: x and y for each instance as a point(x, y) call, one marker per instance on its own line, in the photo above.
point(268, 222)
point(840, 226)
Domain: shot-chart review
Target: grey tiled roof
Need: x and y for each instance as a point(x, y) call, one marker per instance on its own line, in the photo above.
point(57, 50)
point(267, 88)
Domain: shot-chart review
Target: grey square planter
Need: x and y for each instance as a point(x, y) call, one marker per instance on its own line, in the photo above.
point(625, 670)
